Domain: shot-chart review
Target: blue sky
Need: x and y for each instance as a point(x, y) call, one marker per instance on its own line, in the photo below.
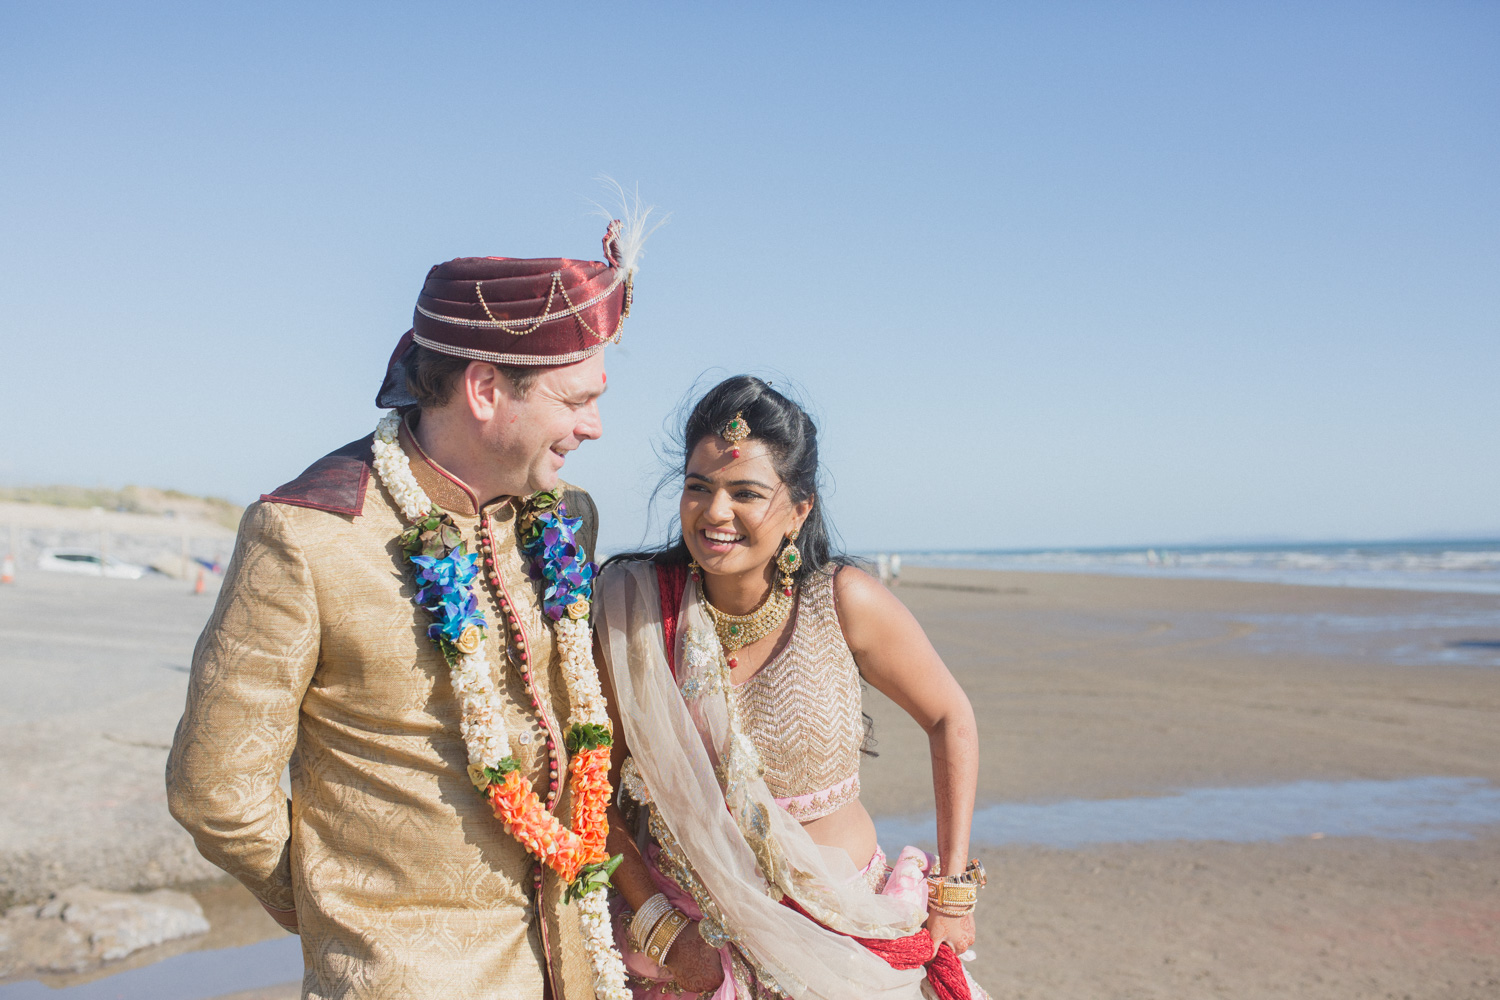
point(1048, 274)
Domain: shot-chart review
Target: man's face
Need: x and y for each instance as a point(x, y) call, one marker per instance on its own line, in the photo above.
point(531, 437)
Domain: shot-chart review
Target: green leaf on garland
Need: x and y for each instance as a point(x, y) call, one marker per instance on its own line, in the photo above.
point(497, 773)
point(592, 878)
point(588, 736)
point(450, 536)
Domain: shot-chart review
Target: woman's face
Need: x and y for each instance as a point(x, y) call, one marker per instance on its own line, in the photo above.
point(736, 511)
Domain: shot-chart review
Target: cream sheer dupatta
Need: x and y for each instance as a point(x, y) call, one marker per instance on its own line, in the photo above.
point(678, 738)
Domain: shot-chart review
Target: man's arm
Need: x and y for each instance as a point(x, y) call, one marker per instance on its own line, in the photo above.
point(251, 667)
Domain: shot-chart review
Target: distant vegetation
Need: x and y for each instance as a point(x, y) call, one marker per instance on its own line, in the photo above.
point(130, 500)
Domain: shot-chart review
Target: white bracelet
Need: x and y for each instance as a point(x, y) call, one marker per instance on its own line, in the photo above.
point(645, 919)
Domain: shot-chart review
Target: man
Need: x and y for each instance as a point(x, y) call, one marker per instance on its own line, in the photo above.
point(396, 873)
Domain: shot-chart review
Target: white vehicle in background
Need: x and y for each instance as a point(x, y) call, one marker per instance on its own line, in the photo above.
point(89, 562)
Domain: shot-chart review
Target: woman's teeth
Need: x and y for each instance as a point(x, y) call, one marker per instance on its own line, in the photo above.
point(722, 536)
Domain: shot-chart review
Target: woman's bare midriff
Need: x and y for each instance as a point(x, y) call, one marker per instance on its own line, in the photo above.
point(849, 827)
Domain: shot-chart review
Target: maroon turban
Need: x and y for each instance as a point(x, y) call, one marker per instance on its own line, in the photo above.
point(548, 311)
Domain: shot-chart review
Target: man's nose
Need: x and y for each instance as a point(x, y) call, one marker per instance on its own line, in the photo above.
point(591, 425)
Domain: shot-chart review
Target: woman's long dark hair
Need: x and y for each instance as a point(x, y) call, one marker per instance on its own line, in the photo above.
point(791, 437)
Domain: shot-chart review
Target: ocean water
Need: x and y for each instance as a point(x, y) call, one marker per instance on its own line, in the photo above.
point(1457, 566)
point(1418, 809)
point(193, 975)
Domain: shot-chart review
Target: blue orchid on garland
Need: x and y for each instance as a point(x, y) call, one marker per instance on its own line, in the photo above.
point(549, 539)
point(445, 571)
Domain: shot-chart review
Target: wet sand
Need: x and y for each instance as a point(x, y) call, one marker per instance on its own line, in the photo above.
point(1091, 687)
point(1086, 687)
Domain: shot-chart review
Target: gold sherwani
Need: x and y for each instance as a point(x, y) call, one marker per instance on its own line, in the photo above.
point(405, 884)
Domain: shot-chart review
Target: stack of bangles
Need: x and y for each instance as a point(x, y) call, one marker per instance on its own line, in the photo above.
point(955, 895)
point(655, 927)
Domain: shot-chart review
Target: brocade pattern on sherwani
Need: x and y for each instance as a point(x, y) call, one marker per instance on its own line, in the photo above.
point(405, 884)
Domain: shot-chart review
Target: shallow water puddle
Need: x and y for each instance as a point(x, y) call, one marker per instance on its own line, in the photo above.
point(1422, 809)
point(1439, 638)
point(193, 975)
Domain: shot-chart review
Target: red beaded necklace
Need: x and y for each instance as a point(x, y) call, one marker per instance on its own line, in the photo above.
point(518, 638)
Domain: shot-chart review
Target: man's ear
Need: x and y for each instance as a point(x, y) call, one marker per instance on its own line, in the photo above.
point(486, 391)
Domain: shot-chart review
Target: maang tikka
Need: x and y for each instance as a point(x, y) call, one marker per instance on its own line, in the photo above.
point(734, 432)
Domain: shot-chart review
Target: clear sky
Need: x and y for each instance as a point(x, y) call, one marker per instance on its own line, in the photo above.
point(1048, 273)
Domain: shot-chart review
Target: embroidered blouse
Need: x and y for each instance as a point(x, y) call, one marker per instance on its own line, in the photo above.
point(802, 709)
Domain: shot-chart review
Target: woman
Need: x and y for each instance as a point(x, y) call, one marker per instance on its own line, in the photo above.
point(732, 663)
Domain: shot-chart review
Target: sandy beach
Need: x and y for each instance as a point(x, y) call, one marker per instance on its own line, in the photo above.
point(1089, 689)
point(1115, 688)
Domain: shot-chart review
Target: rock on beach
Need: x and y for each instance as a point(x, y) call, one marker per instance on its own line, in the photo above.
point(82, 927)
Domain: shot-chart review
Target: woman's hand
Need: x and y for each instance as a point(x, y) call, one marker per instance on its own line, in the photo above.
point(694, 965)
point(956, 932)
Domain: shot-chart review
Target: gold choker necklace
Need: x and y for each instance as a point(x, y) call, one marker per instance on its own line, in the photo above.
point(737, 631)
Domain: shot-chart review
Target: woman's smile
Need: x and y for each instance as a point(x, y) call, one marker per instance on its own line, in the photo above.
point(720, 540)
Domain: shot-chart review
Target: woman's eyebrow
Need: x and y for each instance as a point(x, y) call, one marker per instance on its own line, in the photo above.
point(733, 482)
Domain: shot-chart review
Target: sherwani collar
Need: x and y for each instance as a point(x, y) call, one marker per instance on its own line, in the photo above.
point(443, 487)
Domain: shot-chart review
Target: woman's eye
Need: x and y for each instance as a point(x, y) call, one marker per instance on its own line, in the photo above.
point(748, 495)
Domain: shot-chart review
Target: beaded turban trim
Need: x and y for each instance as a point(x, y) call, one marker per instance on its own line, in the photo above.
point(513, 311)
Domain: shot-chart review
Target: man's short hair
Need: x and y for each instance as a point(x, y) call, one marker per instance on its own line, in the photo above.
point(432, 376)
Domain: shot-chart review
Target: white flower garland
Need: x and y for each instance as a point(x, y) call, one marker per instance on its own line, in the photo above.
point(481, 721)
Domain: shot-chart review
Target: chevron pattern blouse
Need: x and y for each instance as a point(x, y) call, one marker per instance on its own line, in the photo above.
point(802, 709)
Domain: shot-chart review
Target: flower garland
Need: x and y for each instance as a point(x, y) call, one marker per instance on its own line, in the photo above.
point(445, 572)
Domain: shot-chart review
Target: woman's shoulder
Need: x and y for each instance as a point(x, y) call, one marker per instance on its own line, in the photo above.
point(857, 596)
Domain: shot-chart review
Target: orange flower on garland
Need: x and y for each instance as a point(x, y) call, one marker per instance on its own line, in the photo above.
point(563, 850)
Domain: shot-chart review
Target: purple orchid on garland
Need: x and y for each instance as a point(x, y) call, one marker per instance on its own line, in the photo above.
point(550, 540)
point(444, 588)
point(445, 573)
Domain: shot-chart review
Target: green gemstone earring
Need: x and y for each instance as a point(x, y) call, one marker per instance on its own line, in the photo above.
point(789, 561)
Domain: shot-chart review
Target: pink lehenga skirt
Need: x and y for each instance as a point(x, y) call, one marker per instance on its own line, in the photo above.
point(906, 879)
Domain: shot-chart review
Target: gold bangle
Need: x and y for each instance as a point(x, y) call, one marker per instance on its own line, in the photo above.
point(953, 894)
point(950, 908)
point(666, 948)
point(974, 875)
point(663, 934)
point(645, 919)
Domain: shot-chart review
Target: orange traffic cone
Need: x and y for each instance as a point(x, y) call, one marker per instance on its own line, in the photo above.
point(200, 586)
point(8, 571)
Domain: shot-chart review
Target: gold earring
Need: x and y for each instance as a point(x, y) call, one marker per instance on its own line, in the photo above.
point(789, 561)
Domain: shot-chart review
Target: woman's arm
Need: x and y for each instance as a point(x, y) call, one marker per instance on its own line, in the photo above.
point(894, 655)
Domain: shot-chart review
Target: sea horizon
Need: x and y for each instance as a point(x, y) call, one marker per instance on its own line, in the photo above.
point(1457, 565)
